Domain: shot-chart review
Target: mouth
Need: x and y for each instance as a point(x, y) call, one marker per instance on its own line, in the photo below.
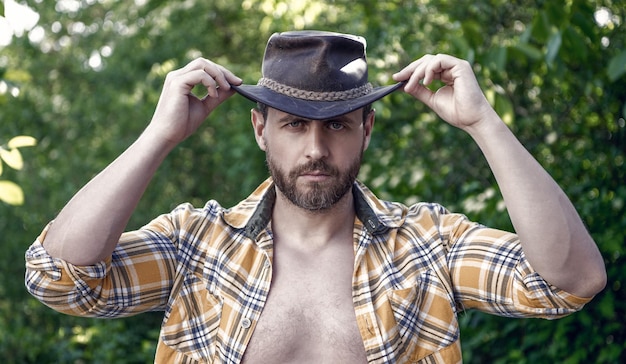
point(315, 175)
point(314, 172)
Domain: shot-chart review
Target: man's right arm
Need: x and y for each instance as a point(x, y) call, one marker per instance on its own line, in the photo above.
point(88, 228)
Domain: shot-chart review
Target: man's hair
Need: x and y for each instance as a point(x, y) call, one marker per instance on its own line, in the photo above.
point(262, 108)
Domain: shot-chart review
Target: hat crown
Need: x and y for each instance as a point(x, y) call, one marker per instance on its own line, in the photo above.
point(316, 61)
point(314, 74)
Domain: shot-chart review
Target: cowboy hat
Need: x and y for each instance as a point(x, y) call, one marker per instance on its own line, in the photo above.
point(315, 75)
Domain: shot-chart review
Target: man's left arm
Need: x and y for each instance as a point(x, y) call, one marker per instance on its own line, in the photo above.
point(552, 234)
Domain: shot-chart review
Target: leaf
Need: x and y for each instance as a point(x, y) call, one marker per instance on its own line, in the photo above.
point(541, 26)
point(530, 51)
point(11, 193)
point(617, 66)
point(504, 107)
point(496, 58)
point(22, 141)
point(13, 158)
point(554, 44)
point(574, 44)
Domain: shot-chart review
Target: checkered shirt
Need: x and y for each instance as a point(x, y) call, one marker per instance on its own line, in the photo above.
point(415, 268)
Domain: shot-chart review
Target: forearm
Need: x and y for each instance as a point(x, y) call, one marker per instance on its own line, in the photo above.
point(554, 239)
point(553, 236)
point(88, 228)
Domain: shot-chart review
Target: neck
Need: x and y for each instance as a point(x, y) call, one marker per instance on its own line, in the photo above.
point(314, 228)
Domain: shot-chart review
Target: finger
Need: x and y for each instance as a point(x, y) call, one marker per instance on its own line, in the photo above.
point(218, 76)
point(405, 73)
point(416, 81)
point(209, 82)
point(223, 77)
point(230, 77)
point(198, 63)
point(445, 68)
point(212, 102)
point(434, 68)
point(415, 73)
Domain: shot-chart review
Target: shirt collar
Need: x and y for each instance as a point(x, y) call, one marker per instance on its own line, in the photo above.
point(254, 213)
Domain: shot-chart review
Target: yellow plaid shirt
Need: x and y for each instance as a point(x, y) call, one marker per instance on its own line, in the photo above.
point(209, 269)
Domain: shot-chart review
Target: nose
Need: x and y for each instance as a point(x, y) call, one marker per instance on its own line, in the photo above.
point(317, 143)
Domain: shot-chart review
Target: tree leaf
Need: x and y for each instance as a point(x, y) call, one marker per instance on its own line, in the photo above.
point(554, 44)
point(530, 51)
point(617, 66)
point(22, 141)
point(11, 193)
point(504, 107)
point(13, 158)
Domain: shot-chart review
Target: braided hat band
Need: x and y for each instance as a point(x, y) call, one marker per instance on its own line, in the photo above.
point(316, 95)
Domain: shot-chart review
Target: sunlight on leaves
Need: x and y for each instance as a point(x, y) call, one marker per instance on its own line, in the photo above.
point(11, 193)
point(13, 158)
point(22, 141)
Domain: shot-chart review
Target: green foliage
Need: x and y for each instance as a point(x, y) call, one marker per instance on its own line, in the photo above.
point(10, 192)
point(89, 84)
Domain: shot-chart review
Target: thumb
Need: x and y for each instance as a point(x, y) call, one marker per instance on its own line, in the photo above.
point(421, 93)
point(212, 102)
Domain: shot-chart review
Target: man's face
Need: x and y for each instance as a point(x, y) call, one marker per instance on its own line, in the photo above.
point(314, 162)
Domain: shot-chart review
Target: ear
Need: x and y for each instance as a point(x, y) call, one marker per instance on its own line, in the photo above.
point(258, 124)
point(368, 126)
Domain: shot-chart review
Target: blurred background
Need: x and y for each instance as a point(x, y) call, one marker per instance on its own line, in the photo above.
point(79, 80)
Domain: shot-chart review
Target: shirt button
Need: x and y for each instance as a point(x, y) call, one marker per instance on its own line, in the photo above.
point(267, 264)
point(245, 323)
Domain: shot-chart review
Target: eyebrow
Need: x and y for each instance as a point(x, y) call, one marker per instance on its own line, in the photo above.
point(290, 118)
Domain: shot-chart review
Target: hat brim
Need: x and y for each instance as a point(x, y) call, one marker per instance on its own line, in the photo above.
point(314, 110)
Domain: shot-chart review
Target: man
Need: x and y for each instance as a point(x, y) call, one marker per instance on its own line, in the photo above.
point(312, 267)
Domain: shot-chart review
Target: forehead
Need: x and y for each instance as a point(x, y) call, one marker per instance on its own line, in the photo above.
point(277, 115)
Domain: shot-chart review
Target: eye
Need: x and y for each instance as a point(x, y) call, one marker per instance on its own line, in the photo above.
point(335, 125)
point(294, 124)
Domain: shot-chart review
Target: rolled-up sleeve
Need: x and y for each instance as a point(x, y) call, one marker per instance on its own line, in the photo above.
point(137, 278)
point(491, 274)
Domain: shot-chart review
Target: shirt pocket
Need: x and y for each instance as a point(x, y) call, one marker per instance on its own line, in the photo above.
point(425, 317)
point(192, 321)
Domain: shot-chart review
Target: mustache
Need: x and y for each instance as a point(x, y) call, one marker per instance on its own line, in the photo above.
point(314, 166)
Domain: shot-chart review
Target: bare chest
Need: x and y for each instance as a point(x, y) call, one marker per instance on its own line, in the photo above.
point(309, 315)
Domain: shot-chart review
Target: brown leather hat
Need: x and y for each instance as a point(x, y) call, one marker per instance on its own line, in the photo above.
point(315, 75)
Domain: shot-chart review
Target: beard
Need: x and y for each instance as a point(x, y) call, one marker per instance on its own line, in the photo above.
point(318, 196)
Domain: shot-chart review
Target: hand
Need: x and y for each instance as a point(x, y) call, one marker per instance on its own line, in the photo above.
point(460, 102)
point(179, 112)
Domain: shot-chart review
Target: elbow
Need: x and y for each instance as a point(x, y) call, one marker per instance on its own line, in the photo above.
point(585, 277)
point(592, 282)
point(596, 272)
point(588, 268)
point(599, 281)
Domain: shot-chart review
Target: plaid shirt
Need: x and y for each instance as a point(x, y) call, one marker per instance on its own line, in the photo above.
point(210, 270)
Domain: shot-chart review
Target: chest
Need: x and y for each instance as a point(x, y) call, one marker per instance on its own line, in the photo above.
point(309, 313)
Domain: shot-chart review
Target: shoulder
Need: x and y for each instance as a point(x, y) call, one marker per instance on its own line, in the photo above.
point(395, 214)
